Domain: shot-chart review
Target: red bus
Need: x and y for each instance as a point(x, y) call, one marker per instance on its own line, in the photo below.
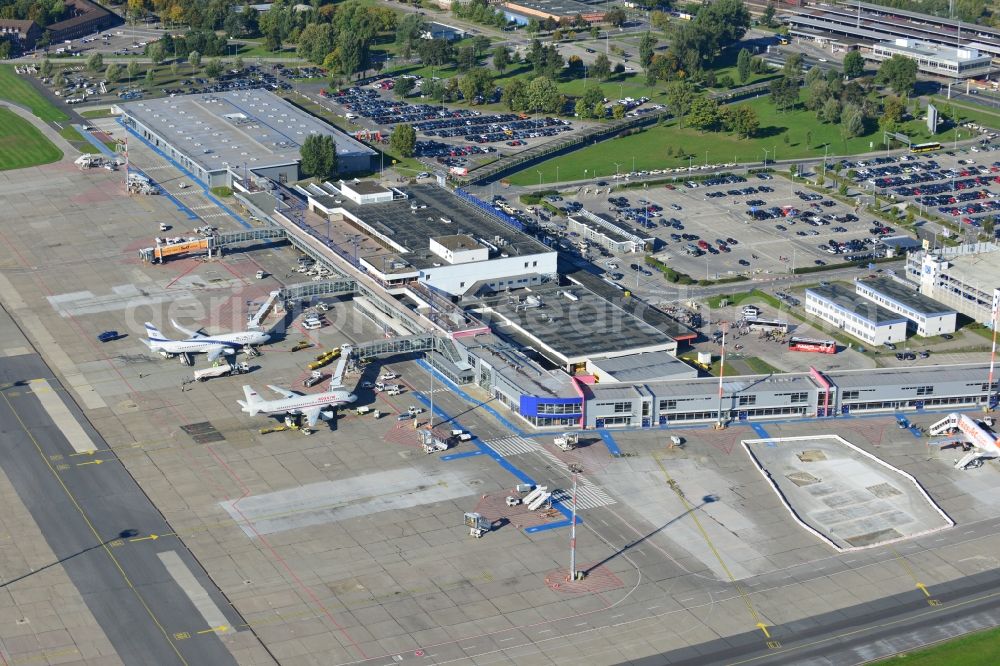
point(812, 345)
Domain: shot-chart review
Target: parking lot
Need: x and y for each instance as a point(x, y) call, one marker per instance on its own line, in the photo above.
point(737, 225)
point(122, 40)
point(958, 185)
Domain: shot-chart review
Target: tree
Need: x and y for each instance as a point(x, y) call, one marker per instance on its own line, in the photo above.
point(646, 47)
point(742, 121)
point(582, 110)
point(95, 63)
point(476, 85)
point(784, 93)
point(46, 68)
point(601, 69)
point(466, 58)
point(272, 38)
point(704, 114)
point(238, 64)
point(113, 73)
point(615, 17)
point(892, 114)
point(679, 96)
point(481, 45)
point(618, 111)
point(852, 122)
point(534, 27)
point(408, 30)
point(194, 58)
point(899, 73)
point(404, 86)
point(214, 68)
point(59, 80)
point(156, 52)
point(793, 65)
point(854, 64)
point(132, 69)
point(319, 156)
point(831, 111)
point(150, 77)
point(515, 94)
point(767, 16)
point(542, 95)
point(501, 58)
point(403, 140)
point(743, 65)
point(175, 68)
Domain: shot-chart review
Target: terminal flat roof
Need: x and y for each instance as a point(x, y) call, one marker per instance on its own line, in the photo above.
point(981, 269)
point(856, 304)
point(936, 51)
point(587, 327)
point(252, 127)
point(914, 376)
point(413, 228)
point(909, 298)
point(647, 367)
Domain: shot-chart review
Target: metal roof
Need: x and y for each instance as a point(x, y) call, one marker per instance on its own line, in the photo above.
point(908, 298)
point(855, 304)
point(237, 128)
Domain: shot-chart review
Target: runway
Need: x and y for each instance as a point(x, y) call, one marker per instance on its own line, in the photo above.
point(100, 525)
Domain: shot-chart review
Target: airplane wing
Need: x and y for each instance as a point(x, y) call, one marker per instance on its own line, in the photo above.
point(312, 415)
point(194, 335)
point(215, 352)
point(284, 393)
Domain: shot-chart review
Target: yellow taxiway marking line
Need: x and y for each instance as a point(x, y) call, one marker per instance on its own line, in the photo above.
point(758, 622)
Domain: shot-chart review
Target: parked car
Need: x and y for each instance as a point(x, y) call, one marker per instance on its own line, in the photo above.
point(108, 336)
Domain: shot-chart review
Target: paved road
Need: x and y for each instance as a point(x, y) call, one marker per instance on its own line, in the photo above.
point(91, 511)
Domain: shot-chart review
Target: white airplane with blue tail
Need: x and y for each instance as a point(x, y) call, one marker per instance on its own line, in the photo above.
point(198, 342)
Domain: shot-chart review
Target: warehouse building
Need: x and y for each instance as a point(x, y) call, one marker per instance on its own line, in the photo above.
point(966, 278)
point(855, 315)
point(927, 316)
point(553, 9)
point(237, 135)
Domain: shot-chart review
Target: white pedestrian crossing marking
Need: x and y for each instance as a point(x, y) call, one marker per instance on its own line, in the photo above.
point(588, 496)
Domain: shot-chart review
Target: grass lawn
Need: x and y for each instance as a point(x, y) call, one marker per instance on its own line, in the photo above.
point(650, 148)
point(97, 113)
point(980, 116)
point(21, 145)
point(978, 649)
point(70, 134)
point(15, 89)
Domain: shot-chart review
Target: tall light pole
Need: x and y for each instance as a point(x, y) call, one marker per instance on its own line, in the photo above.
point(722, 373)
point(539, 177)
point(617, 167)
point(572, 536)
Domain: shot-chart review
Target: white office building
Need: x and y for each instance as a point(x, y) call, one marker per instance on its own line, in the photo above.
point(856, 316)
point(927, 316)
point(964, 62)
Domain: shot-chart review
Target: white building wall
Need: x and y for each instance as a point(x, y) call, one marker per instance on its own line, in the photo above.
point(927, 325)
point(852, 324)
point(457, 278)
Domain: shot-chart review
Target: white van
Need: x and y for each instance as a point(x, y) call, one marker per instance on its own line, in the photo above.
point(395, 390)
point(379, 386)
point(751, 311)
point(312, 324)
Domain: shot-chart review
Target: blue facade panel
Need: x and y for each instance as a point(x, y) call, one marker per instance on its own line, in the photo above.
point(530, 404)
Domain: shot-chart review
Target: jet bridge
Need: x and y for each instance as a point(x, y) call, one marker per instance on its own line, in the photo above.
point(209, 244)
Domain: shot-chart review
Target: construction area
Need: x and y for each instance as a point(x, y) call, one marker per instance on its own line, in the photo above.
point(843, 495)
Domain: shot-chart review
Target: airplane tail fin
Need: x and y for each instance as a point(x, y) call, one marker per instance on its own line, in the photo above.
point(338, 374)
point(252, 403)
point(154, 334)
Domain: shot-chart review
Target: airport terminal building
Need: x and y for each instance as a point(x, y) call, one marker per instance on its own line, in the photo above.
point(237, 135)
point(546, 350)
